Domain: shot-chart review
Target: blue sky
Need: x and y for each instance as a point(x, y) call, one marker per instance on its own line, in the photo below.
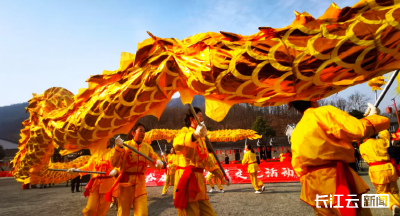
point(61, 43)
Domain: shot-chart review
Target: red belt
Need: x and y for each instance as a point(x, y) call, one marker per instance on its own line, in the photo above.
point(253, 163)
point(123, 178)
point(187, 187)
point(345, 184)
point(396, 166)
point(89, 186)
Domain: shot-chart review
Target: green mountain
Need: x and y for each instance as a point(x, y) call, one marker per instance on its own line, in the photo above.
point(11, 118)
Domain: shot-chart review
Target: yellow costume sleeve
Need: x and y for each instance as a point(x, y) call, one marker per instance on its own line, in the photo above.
point(385, 135)
point(184, 139)
point(346, 127)
point(245, 158)
point(153, 155)
point(116, 156)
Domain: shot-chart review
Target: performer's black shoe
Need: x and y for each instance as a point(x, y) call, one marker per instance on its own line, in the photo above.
point(78, 191)
point(72, 191)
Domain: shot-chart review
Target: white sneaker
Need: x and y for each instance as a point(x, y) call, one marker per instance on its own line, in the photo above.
point(257, 192)
point(163, 194)
point(212, 190)
point(262, 188)
point(221, 191)
point(396, 210)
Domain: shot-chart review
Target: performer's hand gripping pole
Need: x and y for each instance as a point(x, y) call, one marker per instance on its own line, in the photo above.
point(383, 93)
point(78, 171)
point(208, 142)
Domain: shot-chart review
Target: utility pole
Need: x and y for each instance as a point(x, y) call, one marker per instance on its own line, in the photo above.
point(397, 114)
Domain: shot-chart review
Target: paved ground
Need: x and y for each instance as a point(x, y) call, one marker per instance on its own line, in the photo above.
point(280, 199)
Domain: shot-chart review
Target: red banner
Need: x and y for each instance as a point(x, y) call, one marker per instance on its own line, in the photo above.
point(269, 172)
point(5, 174)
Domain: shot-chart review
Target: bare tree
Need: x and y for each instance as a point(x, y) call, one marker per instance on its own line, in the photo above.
point(357, 101)
point(338, 102)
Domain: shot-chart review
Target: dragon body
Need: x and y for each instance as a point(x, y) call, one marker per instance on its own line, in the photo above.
point(307, 60)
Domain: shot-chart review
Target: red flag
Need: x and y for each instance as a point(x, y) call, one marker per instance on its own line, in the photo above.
point(220, 151)
point(272, 148)
point(239, 151)
point(262, 148)
point(258, 149)
point(287, 148)
point(282, 148)
point(225, 151)
point(216, 151)
point(230, 152)
point(267, 148)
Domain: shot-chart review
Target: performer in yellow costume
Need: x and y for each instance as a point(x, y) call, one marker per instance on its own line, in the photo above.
point(210, 177)
point(190, 198)
point(99, 184)
point(322, 150)
point(381, 171)
point(250, 159)
point(130, 187)
point(171, 168)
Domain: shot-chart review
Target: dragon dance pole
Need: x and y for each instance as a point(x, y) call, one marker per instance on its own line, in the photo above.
point(383, 93)
point(208, 142)
point(141, 154)
point(162, 153)
point(78, 171)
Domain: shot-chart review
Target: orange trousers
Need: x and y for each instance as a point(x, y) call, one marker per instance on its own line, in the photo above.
point(199, 208)
point(96, 205)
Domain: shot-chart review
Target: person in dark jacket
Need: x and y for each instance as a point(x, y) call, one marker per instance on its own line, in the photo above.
point(77, 180)
point(226, 159)
point(394, 152)
point(258, 158)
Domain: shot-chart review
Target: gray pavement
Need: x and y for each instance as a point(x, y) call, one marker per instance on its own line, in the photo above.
point(239, 199)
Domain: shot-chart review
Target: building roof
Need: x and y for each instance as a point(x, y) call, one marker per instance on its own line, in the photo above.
point(8, 145)
point(393, 120)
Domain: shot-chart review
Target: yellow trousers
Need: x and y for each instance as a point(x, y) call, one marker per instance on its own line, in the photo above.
point(96, 205)
point(198, 208)
point(209, 180)
point(168, 179)
point(126, 199)
point(255, 182)
point(392, 189)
